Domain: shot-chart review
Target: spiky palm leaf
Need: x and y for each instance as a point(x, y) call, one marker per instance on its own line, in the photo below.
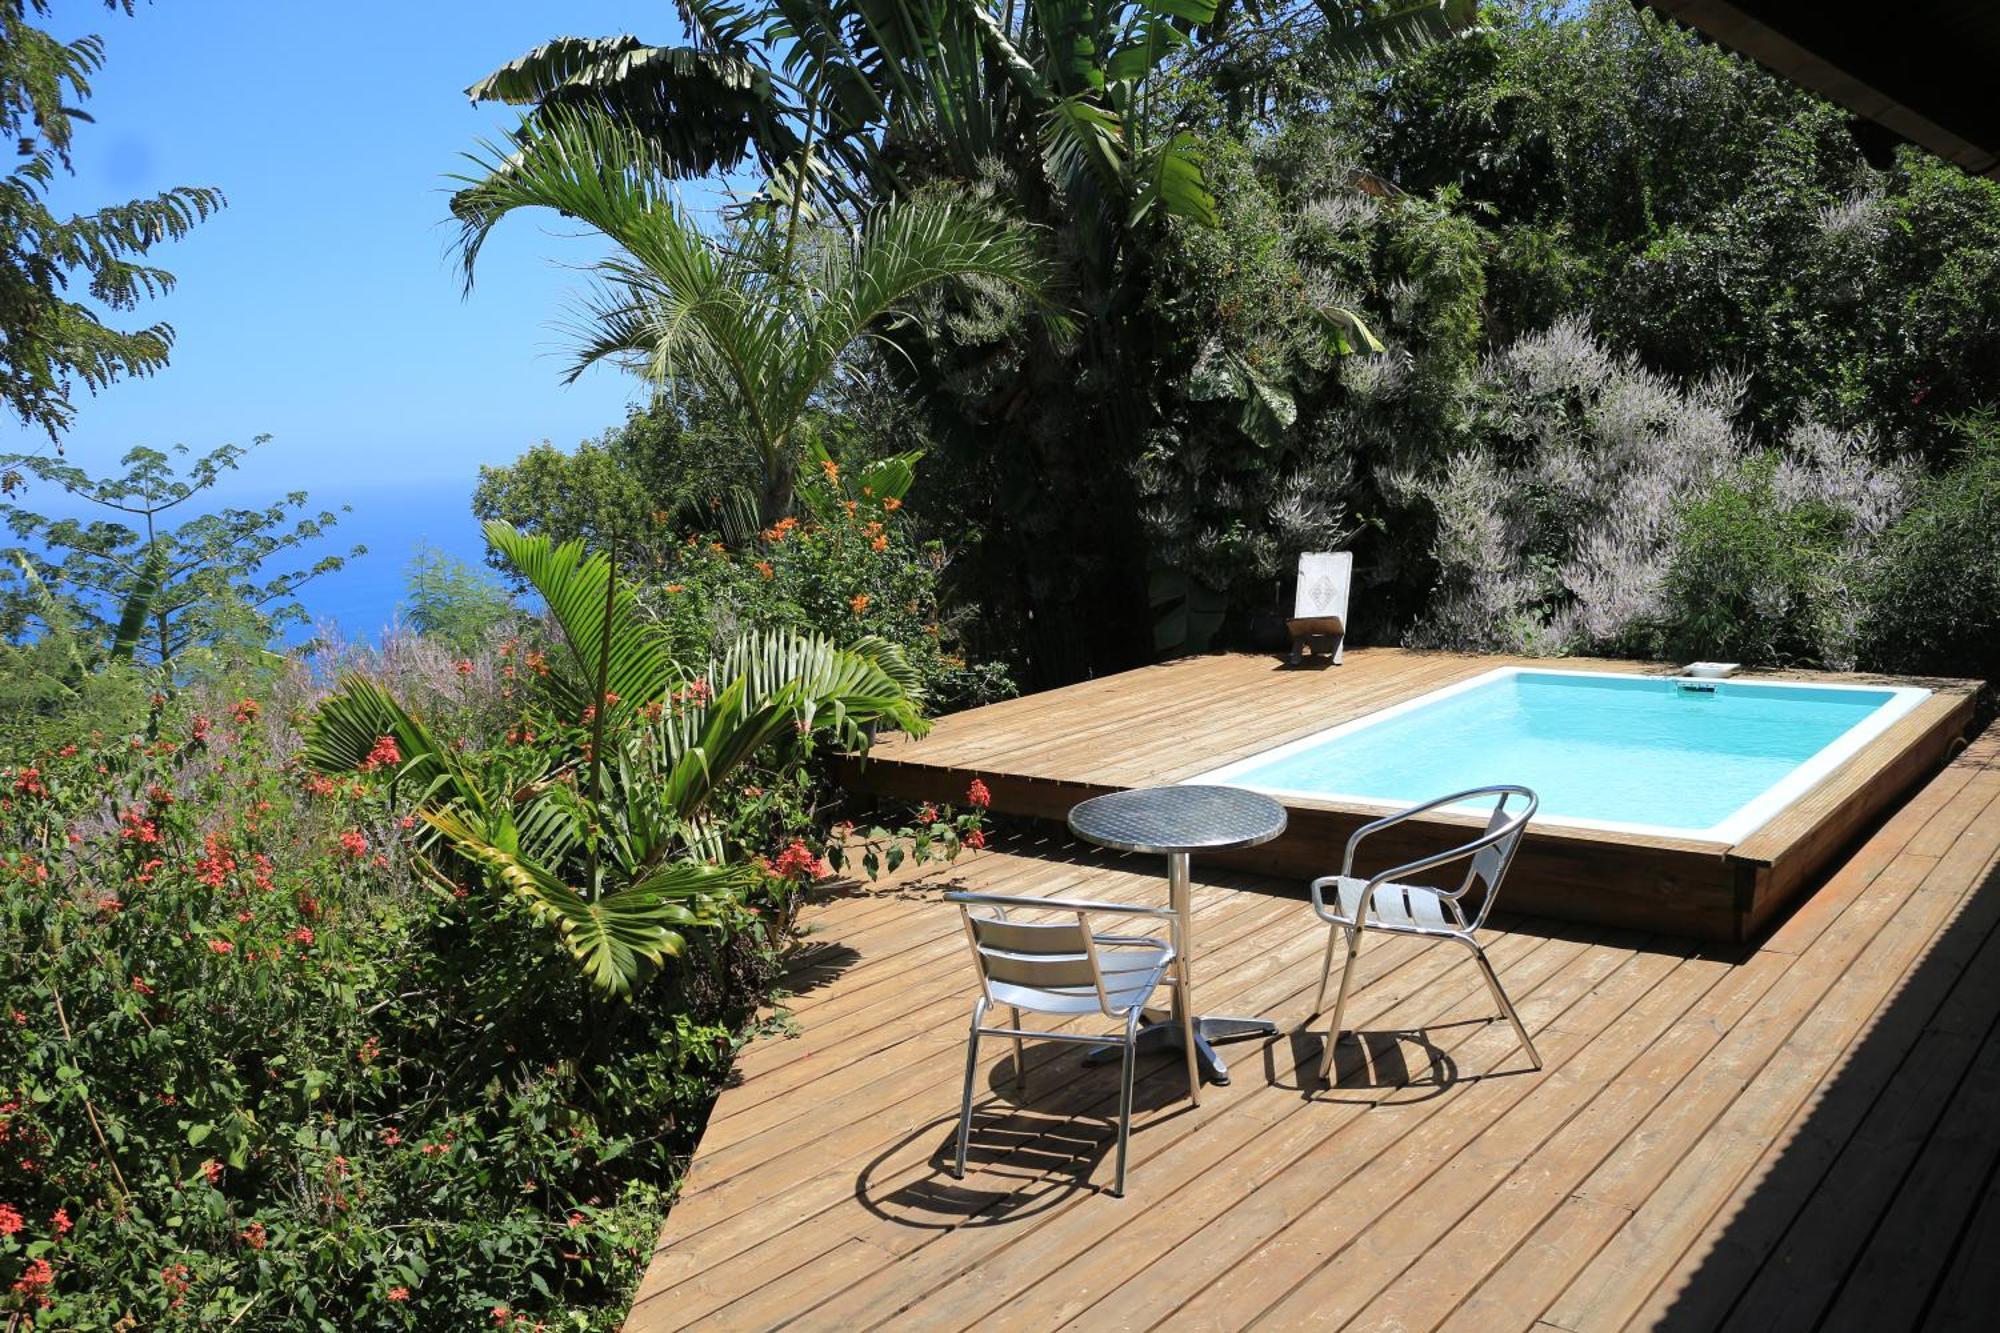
point(578, 588)
point(346, 726)
point(750, 326)
point(774, 688)
point(619, 935)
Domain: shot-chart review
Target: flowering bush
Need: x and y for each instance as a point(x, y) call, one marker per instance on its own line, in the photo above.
point(258, 1071)
point(223, 1095)
point(849, 565)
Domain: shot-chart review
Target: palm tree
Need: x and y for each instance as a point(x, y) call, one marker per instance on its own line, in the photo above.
point(762, 319)
point(1076, 106)
point(611, 842)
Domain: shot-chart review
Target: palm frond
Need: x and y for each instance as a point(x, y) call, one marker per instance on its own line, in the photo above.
point(581, 590)
point(347, 725)
point(1382, 32)
point(618, 936)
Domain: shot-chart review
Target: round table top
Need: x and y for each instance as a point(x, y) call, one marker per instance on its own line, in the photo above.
point(1178, 819)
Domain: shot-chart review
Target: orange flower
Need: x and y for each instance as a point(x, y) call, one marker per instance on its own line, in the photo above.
point(831, 468)
point(764, 567)
point(858, 603)
point(891, 503)
point(881, 543)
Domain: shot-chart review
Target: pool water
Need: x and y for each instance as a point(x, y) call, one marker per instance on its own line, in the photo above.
point(1710, 759)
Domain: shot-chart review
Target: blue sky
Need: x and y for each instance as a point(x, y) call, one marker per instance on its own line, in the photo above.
point(323, 306)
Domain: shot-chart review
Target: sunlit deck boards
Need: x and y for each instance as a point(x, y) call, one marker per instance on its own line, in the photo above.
point(1765, 1138)
point(1040, 754)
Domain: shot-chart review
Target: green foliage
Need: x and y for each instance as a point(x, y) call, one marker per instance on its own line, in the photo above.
point(1936, 597)
point(1075, 117)
point(451, 601)
point(138, 586)
point(853, 565)
point(1756, 577)
point(668, 464)
point(602, 827)
point(754, 320)
point(255, 1076)
point(50, 339)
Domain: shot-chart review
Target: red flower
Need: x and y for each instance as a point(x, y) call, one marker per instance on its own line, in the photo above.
point(927, 816)
point(465, 668)
point(174, 1277)
point(199, 730)
point(247, 710)
point(36, 1278)
point(253, 1235)
point(10, 1219)
point(354, 843)
point(217, 861)
point(974, 838)
point(221, 947)
point(977, 796)
point(60, 1221)
point(213, 1170)
point(139, 985)
point(392, 1136)
point(384, 755)
point(399, 1293)
point(799, 861)
point(135, 827)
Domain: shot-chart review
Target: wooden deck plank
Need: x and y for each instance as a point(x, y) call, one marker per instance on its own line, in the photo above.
point(1701, 1111)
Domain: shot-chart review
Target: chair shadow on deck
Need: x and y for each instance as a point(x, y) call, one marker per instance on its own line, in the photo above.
point(1026, 1154)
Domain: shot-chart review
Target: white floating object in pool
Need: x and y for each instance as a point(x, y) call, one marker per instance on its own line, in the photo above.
point(1710, 670)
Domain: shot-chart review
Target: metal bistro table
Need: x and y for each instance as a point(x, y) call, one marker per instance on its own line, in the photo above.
point(1176, 822)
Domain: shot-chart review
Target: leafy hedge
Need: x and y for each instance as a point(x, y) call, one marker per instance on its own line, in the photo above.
point(254, 1072)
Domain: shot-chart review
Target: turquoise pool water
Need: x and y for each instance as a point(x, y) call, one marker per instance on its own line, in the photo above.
point(1646, 753)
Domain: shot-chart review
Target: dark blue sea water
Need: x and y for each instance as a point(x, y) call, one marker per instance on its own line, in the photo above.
point(392, 521)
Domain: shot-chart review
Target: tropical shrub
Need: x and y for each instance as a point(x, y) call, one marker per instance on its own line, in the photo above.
point(398, 1009)
point(1771, 565)
point(1934, 604)
point(1554, 527)
point(225, 1095)
point(849, 564)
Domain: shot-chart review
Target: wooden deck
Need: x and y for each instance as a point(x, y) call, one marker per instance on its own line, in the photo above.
point(1042, 753)
point(1796, 1135)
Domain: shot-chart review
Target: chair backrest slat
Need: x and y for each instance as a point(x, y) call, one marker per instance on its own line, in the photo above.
point(1039, 971)
point(1489, 863)
point(1040, 955)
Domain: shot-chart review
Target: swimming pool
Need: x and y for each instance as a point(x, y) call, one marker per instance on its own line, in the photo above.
point(1666, 756)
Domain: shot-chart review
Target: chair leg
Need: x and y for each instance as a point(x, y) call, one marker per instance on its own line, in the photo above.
point(1325, 972)
point(971, 1070)
point(1184, 1001)
point(1506, 1005)
point(1020, 1060)
point(1339, 647)
point(1339, 1007)
point(1125, 1095)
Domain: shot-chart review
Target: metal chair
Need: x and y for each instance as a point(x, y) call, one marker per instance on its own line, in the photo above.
point(1062, 968)
point(1386, 903)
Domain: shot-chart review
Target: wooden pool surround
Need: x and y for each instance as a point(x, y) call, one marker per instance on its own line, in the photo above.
point(1042, 753)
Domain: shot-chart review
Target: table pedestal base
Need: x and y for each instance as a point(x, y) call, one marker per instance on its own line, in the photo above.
point(1164, 1034)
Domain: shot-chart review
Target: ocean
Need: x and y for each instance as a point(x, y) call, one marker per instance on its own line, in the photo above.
point(393, 522)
